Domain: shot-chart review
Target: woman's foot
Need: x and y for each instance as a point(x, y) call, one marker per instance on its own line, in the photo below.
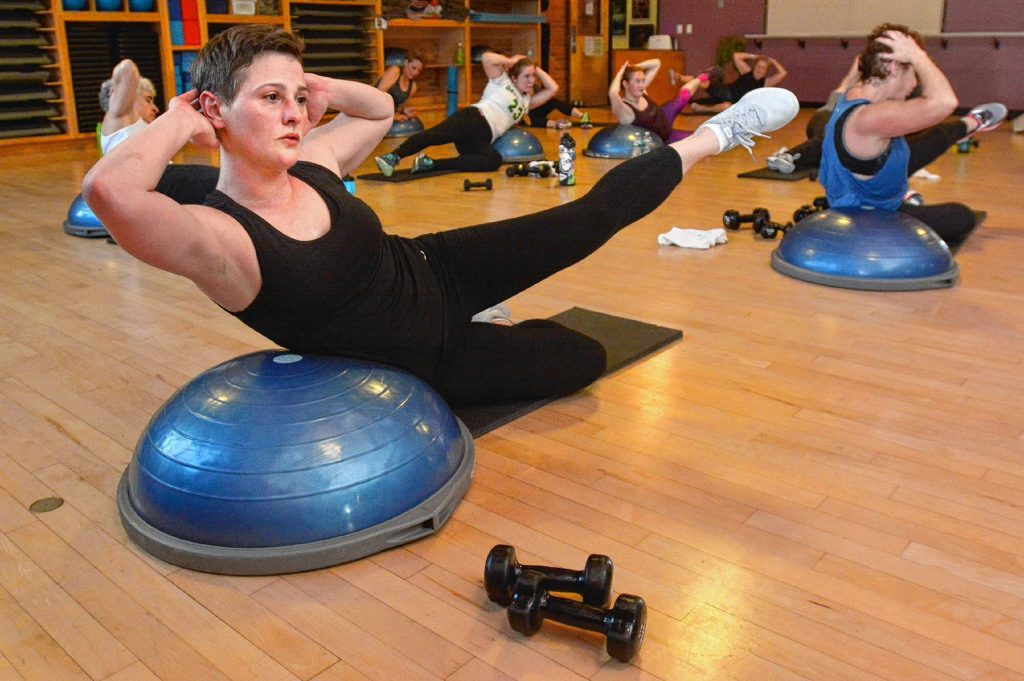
point(387, 163)
point(759, 111)
point(422, 164)
point(983, 117)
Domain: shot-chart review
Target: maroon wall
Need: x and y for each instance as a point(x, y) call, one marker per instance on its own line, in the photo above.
point(979, 71)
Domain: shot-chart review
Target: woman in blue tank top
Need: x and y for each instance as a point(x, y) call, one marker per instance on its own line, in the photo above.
point(864, 157)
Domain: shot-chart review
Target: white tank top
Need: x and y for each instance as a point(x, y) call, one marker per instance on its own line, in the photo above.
point(108, 142)
point(502, 105)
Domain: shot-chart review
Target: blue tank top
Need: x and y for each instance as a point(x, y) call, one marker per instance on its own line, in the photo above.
point(885, 189)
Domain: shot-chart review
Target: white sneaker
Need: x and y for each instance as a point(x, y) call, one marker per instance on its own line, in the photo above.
point(759, 111)
point(499, 314)
point(782, 161)
point(988, 116)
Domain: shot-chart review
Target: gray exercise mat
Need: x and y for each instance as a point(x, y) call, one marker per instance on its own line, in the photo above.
point(769, 174)
point(625, 341)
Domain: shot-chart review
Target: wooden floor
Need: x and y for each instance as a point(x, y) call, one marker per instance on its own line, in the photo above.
point(814, 483)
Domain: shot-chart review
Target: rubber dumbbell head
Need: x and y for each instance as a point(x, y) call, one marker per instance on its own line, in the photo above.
point(623, 625)
point(770, 230)
point(593, 582)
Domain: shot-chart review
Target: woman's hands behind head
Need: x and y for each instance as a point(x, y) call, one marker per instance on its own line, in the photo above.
point(318, 92)
point(186, 106)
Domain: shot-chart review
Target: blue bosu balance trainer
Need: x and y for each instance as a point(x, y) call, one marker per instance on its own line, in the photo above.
point(409, 126)
point(275, 462)
point(519, 145)
point(395, 56)
point(82, 221)
point(622, 141)
point(859, 248)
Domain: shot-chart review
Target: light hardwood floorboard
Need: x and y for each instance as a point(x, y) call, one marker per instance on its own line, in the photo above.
point(814, 483)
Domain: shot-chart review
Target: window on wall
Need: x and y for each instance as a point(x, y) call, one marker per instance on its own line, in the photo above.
point(831, 17)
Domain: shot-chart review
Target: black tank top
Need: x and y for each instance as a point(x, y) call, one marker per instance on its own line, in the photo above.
point(652, 118)
point(355, 291)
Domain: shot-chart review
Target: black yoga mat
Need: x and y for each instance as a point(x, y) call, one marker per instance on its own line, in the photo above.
point(768, 174)
point(625, 340)
point(404, 175)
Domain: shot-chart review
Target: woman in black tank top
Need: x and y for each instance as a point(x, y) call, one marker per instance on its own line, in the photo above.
point(400, 83)
point(283, 247)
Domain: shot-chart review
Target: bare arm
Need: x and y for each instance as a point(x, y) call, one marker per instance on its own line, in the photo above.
point(623, 114)
point(390, 77)
point(191, 241)
point(496, 64)
point(778, 75)
point(879, 122)
point(547, 90)
point(650, 68)
point(365, 116)
point(742, 61)
point(121, 108)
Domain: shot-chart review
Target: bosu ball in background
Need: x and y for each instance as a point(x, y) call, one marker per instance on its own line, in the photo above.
point(82, 221)
point(622, 141)
point(858, 248)
point(276, 462)
point(519, 144)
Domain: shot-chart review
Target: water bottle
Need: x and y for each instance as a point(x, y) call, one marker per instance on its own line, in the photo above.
point(460, 55)
point(566, 160)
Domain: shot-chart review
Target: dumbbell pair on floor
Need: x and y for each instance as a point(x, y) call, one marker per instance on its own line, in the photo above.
point(761, 221)
point(526, 591)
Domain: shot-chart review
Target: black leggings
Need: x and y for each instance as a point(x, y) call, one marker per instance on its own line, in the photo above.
point(539, 115)
point(188, 183)
point(469, 131)
point(925, 146)
point(483, 265)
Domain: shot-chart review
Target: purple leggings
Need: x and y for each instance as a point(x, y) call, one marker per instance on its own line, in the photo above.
point(671, 109)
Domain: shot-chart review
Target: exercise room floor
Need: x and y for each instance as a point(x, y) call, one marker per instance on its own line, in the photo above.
point(815, 483)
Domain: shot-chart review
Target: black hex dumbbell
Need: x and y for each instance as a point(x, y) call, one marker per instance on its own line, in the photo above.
point(486, 184)
point(770, 230)
point(623, 625)
point(593, 582)
point(732, 218)
point(819, 203)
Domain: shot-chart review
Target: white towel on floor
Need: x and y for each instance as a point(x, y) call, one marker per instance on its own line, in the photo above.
point(692, 238)
point(925, 174)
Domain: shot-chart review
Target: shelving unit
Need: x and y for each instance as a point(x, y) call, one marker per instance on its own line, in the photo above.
point(510, 26)
point(47, 97)
point(31, 83)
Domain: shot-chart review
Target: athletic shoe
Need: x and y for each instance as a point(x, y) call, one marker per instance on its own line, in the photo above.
point(499, 314)
point(988, 116)
point(422, 164)
point(782, 161)
point(387, 163)
point(913, 198)
point(759, 111)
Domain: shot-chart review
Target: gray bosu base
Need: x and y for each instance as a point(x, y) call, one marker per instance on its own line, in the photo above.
point(84, 230)
point(942, 280)
point(418, 522)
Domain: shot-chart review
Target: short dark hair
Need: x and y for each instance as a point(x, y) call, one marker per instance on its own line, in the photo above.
point(873, 62)
point(219, 64)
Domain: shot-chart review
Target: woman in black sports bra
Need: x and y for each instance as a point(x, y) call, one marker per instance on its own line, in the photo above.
point(400, 83)
point(284, 248)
